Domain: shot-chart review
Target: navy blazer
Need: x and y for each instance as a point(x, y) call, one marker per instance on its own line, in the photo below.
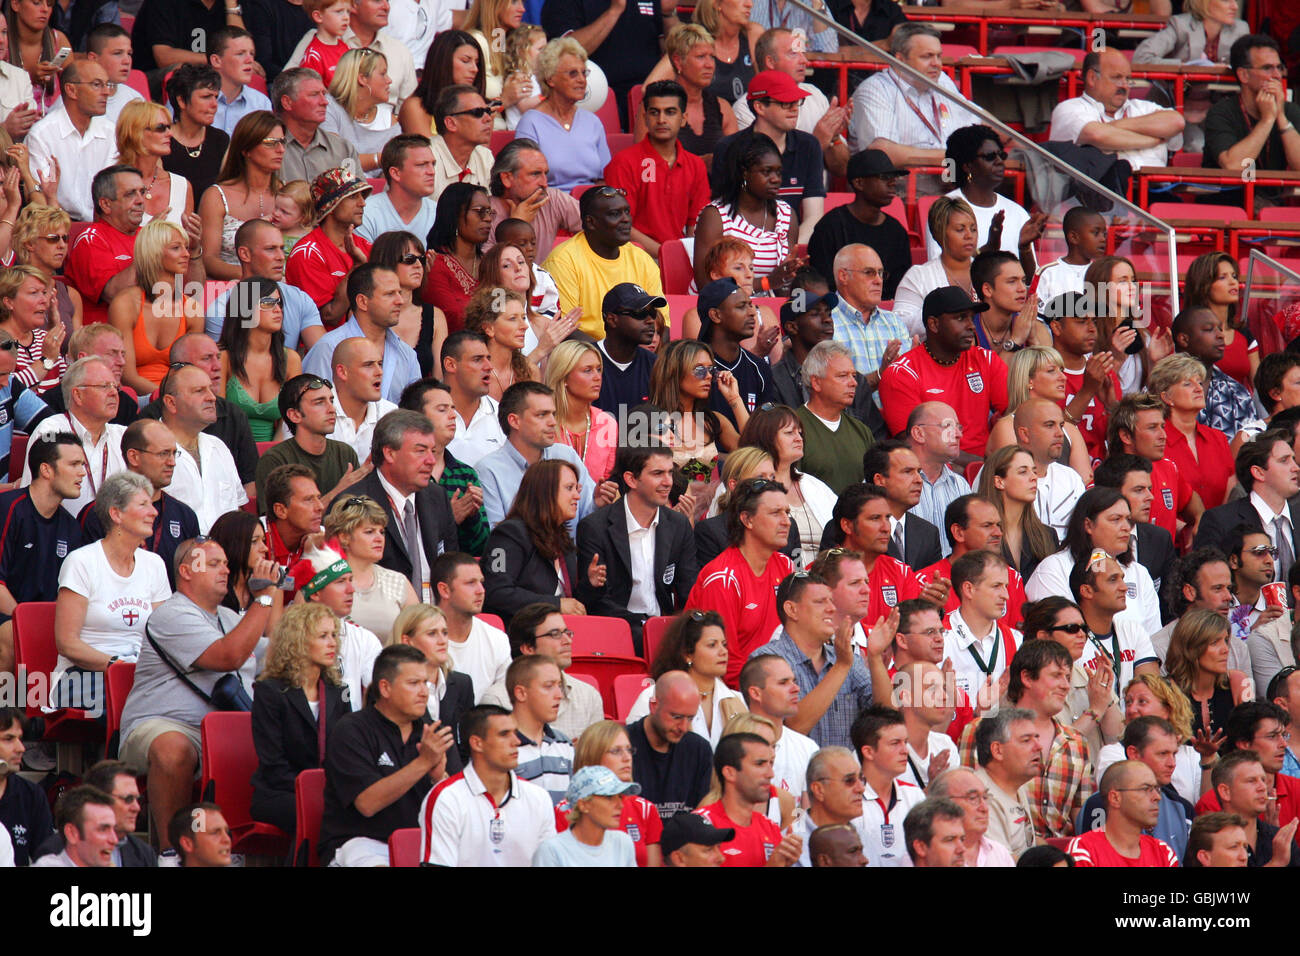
point(285, 734)
point(1217, 523)
point(604, 533)
point(515, 575)
point(437, 524)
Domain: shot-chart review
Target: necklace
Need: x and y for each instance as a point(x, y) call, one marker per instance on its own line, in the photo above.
point(504, 385)
point(571, 438)
point(195, 152)
point(148, 190)
point(939, 361)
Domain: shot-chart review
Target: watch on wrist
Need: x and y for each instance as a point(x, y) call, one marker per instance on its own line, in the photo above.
point(265, 600)
point(49, 363)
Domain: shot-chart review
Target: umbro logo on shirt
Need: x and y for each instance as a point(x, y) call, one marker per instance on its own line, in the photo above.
point(751, 607)
point(385, 760)
point(934, 391)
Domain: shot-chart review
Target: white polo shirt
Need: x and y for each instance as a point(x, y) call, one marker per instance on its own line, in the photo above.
point(103, 458)
point(1071, 116)
point(348, 432)
point(214, 488)
point(881, 823)
point(485, 656)
point(461, 825)
point(790, 766)
point(481, 436)
point(958, 642)
point(80, 157)
point(1058, 490)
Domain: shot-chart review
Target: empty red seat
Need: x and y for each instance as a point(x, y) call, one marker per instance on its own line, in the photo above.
point(492, 619)
point(117, 686)
point(627, 688)
point(606, 670)
point(404, 847)
point(309, 799)
point(600, 636)
point(229, 760)
point(675, 264)
point(35, 653)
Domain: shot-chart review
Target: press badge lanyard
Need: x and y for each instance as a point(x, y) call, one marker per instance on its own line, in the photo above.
point(985, 669)
point(937, 128)
point(1113, 658)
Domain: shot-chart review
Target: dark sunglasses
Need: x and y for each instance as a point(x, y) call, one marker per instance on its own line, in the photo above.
point(996, 154)
point(1279, 679)
point(160, 128)
point(410, 258)
point(1069, 628)
point(9, 345)
point(56, 237)
point(633, 314)
point(270, 302)
point(478, 112)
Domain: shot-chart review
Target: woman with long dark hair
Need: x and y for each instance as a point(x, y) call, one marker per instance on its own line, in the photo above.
point(245, 189)
point(454, 59)
point(680, 383)
point(243, 539)
point(255, 363)
point(1197, 664)
point(1213, 282)
point(463, 224)
point(533, 557)
point(33, 44)
point(422, 327)
point(1010, 482)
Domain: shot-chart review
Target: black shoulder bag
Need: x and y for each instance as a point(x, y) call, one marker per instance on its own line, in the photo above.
point(227, 694)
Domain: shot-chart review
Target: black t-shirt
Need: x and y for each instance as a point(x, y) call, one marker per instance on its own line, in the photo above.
point(32, 547)
point(184, 24)
point(364, 748)
point(621, 389)
point(276, 26)
point(1226, 125)
point(882, 16)
point(201, 170)
point(632, 48)
point(25, 813)
point(176, 522)
point(1261, 854)
point(676, 780)
point(754, 379)
point(840, 228)
point(803, 166)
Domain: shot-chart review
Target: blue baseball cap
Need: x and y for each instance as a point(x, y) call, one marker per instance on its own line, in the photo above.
point(597, 781)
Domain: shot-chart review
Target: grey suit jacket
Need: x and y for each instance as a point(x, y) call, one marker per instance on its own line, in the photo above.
point(1183, 40)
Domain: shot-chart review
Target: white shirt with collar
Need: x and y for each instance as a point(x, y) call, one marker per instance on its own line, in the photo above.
point(641, 547)
point(479, 438)
point(1071, 116)
point(80, 157)
point(415, 22)
point(478, 170)
point(957, 643)
point(1058, 491)
point(358, 436)
point(103, 458)
point(15, 89)
point(211, 485)
point(1267, 516)
point(894, 524)
point(886, 106)
point(881, 826)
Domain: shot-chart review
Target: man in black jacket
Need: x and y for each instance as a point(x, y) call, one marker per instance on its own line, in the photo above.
point(420, 522)
point(1130, 475)
point(647, 547)
point(894, 466)
point(115, 779)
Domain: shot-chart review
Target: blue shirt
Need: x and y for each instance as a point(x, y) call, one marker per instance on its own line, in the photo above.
point(380, 217)
point(502, 471)
point(19, 406)
point(935, 498)
point(1290, 765)
point(229, 113)
point(564, 850)
point(577, 156)
point(1229, 407)
point(300, 313)
point(853, 696)
point(867, 338)
point(401, 367)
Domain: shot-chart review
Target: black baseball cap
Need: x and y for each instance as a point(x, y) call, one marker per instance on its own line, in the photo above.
point(789, 313)
point(711, 296)
point(873, 162)
point(630, 297)
point(687, 828)
point(949, 299)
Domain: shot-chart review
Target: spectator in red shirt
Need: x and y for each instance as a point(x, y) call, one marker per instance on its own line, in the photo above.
point(1261, 728)
point(1132, 805)
point(1137, 427)
point(1241, 788)
point(935, 834)
point(665, 185)
point(741, 582)
point(322, 260)
point(101, 260)
point(973, 523)
point(1197, 449)
point(950, 368)
point(743, 763)
point(1091, 384)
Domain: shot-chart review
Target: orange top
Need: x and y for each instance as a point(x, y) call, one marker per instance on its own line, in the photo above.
point(152, 363)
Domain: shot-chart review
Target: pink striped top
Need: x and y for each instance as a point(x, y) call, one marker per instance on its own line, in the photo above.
point(770, 248)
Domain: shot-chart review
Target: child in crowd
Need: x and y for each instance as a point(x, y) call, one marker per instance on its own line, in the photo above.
point(546, 294)
point(294, 212)
point(1085, 240)
point(326, 47)
point(523, 45)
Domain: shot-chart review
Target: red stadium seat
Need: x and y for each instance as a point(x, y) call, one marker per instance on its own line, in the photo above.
point(229, 759)
point(1279, 214)
point(585, 678)
point(404, 847)
point(128, 22)
point(1186, 160)
point(600, 636)
point(139, 82)
point(634, 98)
point(678, 306)
point(17, 456)
point(264, 446)
point(618, 142)
point(627, 688)
point(835, 200)
point(499, 139)
point(606, 670)
point(492, 619)
point(958, 50)
point(1196, 210)
point(653, 634)
point(608, 115)
point(117, 686)
point(34, 651)
point(675, 264)
point(258, 82)
point(309, 801)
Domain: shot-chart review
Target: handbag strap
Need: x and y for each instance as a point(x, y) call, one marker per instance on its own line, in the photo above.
point(206, 698)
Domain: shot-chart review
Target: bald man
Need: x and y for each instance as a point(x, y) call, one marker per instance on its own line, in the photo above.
point(836, 844)
point(1132, 798)
point(834, 795)
point(206, 477)
point(934, 434)
point(1106, 117)
point(358, 365)
point(1040, 427)
point(960, 785)
point(673, 765)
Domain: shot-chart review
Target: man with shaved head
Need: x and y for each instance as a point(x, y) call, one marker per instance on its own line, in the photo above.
point(672, 764)
point(1132, 799)
point(960, 785)
point(836, 844)
point(923, 700)
point(358, 365)
point(835, 789)
point(206, 478)
point(934, 435)
point(1040, 427)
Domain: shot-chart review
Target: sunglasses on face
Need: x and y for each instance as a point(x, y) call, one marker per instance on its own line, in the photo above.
point(632, 314)
point(410, 258)
point(270, 302)
point(160, 128)
point(995, 155)
point(478, 112)
point(56, 237)
point(275, 142)
point(704, 371)
point(1262, 550)
point(1068, 628)
point(9, 345)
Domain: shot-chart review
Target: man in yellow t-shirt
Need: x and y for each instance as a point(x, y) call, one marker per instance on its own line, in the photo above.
point(600, 257)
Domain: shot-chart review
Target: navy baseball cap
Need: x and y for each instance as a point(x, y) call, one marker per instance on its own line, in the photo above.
point(689, 827)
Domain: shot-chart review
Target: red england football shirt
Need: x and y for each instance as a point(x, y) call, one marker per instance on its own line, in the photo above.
point(753, 844)
point(98, 254)
point(1093, 849)
point(746, 602)
point(891, 582)
point(1170, 493)
point(641, 822)
point(975, 387)
point(317, 266)
point(1095, 419)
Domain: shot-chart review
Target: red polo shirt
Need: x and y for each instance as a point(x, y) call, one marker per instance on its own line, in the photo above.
point(317, 266)
point(666, 198)
point(1015, 589)
point(1170, 493)
point(98, 254)
point(975, 387)
point(1288, 800)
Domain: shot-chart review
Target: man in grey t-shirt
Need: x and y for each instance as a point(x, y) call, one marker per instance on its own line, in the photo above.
point(203, 641)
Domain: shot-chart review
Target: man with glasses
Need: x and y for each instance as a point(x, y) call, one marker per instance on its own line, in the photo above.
point(963, 787)
point(149, 449)
point(1256, 129)
point(1265, 627)
point(599, 258)
point(875, 182)
point(307, 406)
point(115, 779)
point(322, 260)
point(629, 312)
point(1261, 728)
point(206, 478)
point(77, 140)
point(768, 685)
point(101, 261)
point(407, 203)
point(934, 435)
point(1107, 117)
point(460, 148)
point(672, 763)
point(834, 787)
point(1131, 805)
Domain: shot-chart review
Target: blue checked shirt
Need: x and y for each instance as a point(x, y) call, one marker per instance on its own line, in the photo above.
point(792, 18)
point(868, 338)
point(1228, 406)
point(935, 498)
point(853, 697)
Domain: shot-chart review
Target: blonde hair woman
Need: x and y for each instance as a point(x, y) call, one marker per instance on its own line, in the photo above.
point(1150, 696)
point(144, 137)
point(606, 744)
point(490, 23)
point(574, 375)
point(1196, 448)
point(735, 37)
point(1197, 664)
point(156, 312)
point(781, 802)
point(358, 109)
point(300, 690)
point(358, 524)
point(954, 227)
point(40, 240)
point(451, 693)
point(25, 293)
point(1038, 371)
point(572, 138)
point(502, 315)
point(688, 53)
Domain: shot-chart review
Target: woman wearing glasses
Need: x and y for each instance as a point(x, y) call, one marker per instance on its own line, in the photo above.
point(605, 744)
point(696, 642)
point(451, 693)
point(1039, 372)
point(245, 189)
point(680, 384)
point(255, 363)
point(358, 109)
point(532, 557)
point(359, 525)
point(574, 376)
point(1010, 482)
point(463, 223)
point(156, 312)
point(1197, 664)
point(422, 327)
point(502, 316)
point(572, 138)
point(144, 137)
point(40, 240)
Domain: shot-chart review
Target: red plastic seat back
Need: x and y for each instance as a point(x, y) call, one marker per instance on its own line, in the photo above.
point(600, 636)
point(627, 688)
point(229, 759)
point(117, 687)
point(309, 799)
point(34, 644)
point(653, 634)
point(404, 847)
point(676, 267)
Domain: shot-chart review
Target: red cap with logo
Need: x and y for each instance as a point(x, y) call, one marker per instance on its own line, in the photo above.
point(775, 85)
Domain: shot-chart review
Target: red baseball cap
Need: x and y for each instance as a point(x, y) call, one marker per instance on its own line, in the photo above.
point(775, 85)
